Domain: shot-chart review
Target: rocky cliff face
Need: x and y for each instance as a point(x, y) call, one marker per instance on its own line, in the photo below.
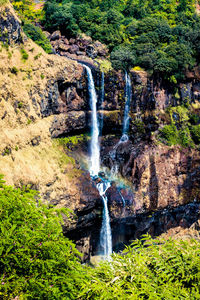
point(10, 26)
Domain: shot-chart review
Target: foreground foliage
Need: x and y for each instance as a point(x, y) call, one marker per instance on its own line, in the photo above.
point(148, 271)
point(38, 262)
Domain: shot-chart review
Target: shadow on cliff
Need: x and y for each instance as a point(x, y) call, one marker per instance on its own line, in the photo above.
point(153, 184)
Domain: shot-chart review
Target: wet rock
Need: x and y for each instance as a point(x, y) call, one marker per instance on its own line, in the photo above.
point(91, 51)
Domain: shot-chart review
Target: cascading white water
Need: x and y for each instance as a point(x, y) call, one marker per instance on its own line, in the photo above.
point(128, 95)
point(124, 138)
point(95, 149)
point(105, 235)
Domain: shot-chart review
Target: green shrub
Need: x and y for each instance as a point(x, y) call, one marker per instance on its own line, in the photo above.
point(14, 70)
point(153, 270)
point(185, 138)
point(195, 132)
point(37, 56)
point(194, 119)
point(24, 54)
point(20, 105)
point(36, 34)
point(169, 133)
point(36, 260)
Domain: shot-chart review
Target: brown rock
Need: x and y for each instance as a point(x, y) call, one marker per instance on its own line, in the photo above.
point(56, 35)
point(63, 47)
point(68, 123)
point(66, 41)
point(73, 49)
point(72, 41)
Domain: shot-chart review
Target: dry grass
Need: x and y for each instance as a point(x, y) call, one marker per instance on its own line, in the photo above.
point(44, 166)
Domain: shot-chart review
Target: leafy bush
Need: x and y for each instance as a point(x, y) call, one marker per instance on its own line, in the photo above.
point(14, 70)
point(24, 54)
point(153, 270)
point(185, 137)
point(36, 260)
point(170, 134)
point(195, 132)
point(27, 11)
point(36, 34)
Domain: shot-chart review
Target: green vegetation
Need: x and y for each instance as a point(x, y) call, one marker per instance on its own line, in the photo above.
point(169, 133)
point(148, 271)
point(14, 70)
point(195, 132)
point(73, 140)
point(37, 56)
point(30, 16)
point(38, 262)
point(160, 36)
point(183, 128)
point(27, 12)
point(3, 2)
point(36, 34)
point(24, 54)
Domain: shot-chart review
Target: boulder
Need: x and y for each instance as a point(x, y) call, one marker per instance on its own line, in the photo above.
point(73, 49)
point(56, 35)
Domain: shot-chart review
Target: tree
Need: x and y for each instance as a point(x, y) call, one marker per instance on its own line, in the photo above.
point(123, 58)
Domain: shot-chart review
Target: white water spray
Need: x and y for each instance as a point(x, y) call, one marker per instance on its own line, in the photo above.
point(124, 138)
point(105, 235)
point(128, 95)
point(95, 150)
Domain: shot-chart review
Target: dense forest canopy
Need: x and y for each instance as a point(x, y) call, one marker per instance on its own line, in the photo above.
point(161, 36)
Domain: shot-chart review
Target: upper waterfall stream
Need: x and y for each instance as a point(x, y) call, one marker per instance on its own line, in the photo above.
point(128, 95)
point(95, 148)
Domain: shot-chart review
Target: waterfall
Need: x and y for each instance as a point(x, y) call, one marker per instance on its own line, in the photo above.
point(124, 138)
point(105, 235)
point(128, 95)
point(95, 149)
